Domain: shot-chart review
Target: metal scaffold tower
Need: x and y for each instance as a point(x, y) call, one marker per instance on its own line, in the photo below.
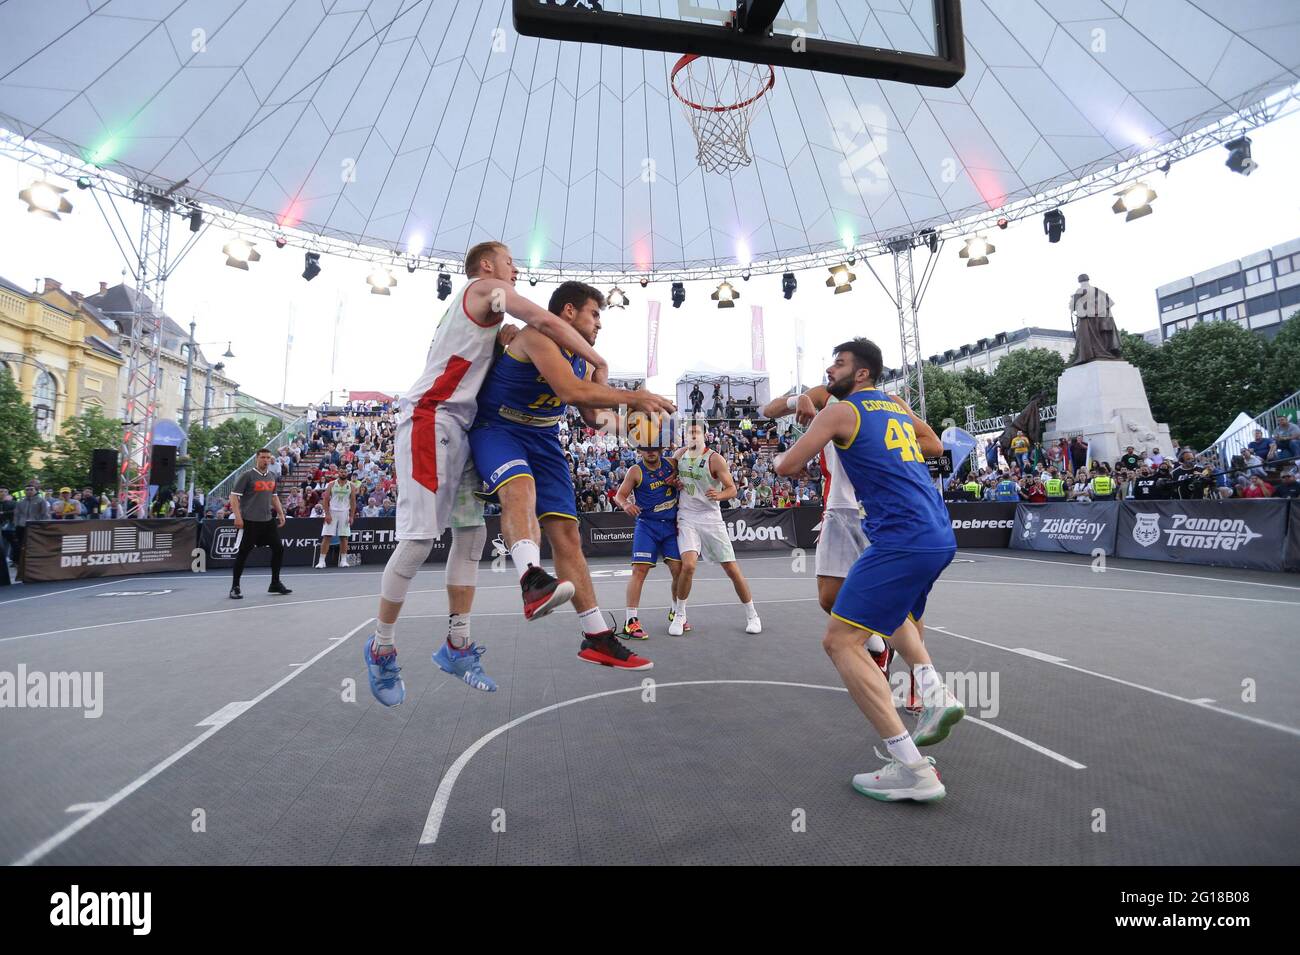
point(144, 353)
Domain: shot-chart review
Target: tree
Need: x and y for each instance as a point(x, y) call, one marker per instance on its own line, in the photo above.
point(1020, 376)
point(946, 396)
point(68, 465)
point(216, 452)
point(1205, 376)
point(19, 438)
point(1282, 375)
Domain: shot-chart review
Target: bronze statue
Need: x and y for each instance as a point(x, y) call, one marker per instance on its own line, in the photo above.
point(1096, 337)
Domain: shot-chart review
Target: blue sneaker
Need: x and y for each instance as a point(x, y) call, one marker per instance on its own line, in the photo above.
point(465, 664)
point(385, 683)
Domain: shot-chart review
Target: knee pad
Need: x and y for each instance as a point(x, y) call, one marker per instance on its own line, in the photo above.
point(463, 557)
point(402, 567)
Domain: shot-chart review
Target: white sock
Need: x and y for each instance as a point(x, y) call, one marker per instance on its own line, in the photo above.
point(875, 644)
point(681, 606)
point(384, 634)
point(927, 681)
point(525, 553)
point(750, 612)
point(593, 621)
point(458, 630)
point(631, 614)
point(903, 749)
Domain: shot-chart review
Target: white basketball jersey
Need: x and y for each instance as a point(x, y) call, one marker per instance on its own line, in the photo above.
point(458, 362)
point(840, 492)
point(340, 495)
point(696, 480)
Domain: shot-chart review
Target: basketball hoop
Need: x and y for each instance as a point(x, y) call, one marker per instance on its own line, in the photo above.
point(720, 102)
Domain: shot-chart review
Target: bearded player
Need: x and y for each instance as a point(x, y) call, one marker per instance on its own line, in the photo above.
point(882, 447)
point(705, 482)
point(516, 446)
point(435, 476)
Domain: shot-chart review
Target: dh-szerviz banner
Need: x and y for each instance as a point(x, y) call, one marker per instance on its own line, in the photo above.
point(1066, 528)
point(67, 550)
point(1250, 534)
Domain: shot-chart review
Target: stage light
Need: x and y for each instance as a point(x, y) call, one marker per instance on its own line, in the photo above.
point(931, 239)
point(841, 279)
point(679, 294)
point(444, 286)
point(788, 285)
point(977, 251)
point(239, 252)
point(45, 199)
point(380, 281)
point(1135, 201)
point(1163, 166)
point(745, 275)
point(644, 281)
point(411, 266)
point(616, 298)
point(83, 182)
point(532, 280)
point(1002, 223)
point(725, 295)
point(1239, 156)
point(311, 265)
point(853, 258)
point(1054, 224)
point(196, 220)
point(281, 242)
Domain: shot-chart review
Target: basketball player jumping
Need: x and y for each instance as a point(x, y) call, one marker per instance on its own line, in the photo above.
point(647, 493)
point(882, 448)
point(515, 441)
point(435, 476)
point(706, 482)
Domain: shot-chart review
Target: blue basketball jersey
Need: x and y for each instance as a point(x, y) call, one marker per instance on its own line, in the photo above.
point(515, 393)
point(654, 495)
point(884, 462)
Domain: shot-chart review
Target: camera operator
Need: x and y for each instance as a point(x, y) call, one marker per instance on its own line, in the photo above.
point(1189, 484)
point(1146, 485)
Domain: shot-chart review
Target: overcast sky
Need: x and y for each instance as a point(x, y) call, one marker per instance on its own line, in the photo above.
point(1204, 215)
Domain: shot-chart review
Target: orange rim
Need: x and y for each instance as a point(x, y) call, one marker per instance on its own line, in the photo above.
point(690, 58)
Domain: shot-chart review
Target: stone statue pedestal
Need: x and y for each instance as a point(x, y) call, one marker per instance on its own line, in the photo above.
point(1105, 402)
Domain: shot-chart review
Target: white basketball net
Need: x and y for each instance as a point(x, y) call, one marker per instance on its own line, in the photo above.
point(720, 99)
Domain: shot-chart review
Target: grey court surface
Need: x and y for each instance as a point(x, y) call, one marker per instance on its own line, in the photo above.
point(1096, 699)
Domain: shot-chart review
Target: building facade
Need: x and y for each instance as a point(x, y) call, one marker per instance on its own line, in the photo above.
point(62, 355)
point(1258, 292)
point(986, 354)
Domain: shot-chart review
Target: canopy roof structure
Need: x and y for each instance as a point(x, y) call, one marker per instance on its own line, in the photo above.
point(414, 128)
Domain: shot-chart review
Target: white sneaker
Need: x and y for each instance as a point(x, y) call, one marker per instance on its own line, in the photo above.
point(321, 564)
point(897, 780)
point(754, 625)
point(676, 626)
point(938, 717)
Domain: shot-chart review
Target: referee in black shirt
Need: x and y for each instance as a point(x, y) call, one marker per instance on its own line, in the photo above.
point(251, 503)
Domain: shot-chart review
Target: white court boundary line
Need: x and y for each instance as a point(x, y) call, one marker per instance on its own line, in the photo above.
point(1131, 570)
point(98, 809)
point(442, 797)
point(1122, 682)
point(60, 593)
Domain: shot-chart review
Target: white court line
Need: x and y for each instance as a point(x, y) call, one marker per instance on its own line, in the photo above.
point(1114, 590)
point(441, 798)
point(99, 808)
point(1133, 570)
point(59, 593)
point(1137, 686)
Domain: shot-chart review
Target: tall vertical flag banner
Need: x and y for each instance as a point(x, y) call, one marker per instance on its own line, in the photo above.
point(798, 356)
point(652, 341)
point(756, 343)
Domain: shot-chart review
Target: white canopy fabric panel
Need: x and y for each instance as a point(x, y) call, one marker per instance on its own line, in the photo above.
point(427, 125)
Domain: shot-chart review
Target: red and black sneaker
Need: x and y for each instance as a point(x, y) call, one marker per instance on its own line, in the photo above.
point(913, 704)
point(606, 650)
point(883, 659)
point(542, 592)
point(633, 630)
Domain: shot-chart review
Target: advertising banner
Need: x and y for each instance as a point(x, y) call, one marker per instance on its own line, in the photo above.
point(1249, 534)
point(979, 524)
point(68, 550)
point(1066, 528)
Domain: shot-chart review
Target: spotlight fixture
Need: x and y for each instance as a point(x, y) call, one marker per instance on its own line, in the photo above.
point(644, 281)
point(532, 280)
point(196, 220)
point(725, 295)
point(853, 258)
point(1163, 166)
point(239, 252)
point(45, 199)
point(380, 281)
point(1135, 201)
point(616, 298)
point(1003, 223)
point(679, 294)
point(977, 251)
point(841, 279)
point(745, 275)
point(281, 241)
point(444, 286)
point(931, 239)
point(788, 285)
point(311, 265)
point(83, 182)
point(1239, 156)
point(411, 266)
point(1054, 224)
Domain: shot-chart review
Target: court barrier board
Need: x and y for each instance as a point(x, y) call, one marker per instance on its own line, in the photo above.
point(70, 550)
point(1248, 534)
